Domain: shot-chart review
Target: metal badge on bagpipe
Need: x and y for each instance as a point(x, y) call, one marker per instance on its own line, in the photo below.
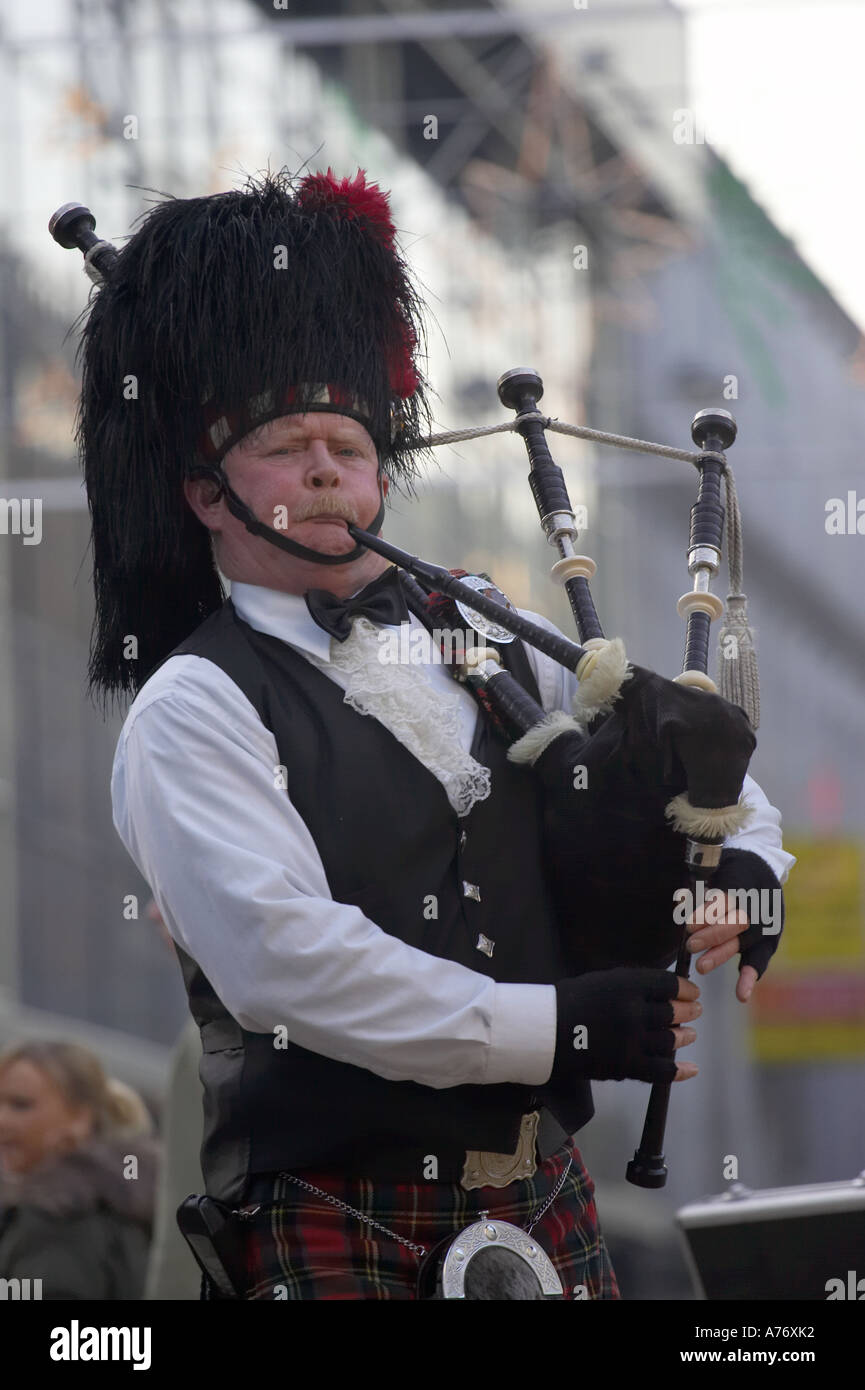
point(485, 626)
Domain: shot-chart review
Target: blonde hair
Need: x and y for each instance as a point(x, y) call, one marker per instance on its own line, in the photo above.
point(118, 1111)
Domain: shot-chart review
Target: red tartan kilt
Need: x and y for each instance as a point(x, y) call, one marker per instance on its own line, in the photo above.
point(297, 1246)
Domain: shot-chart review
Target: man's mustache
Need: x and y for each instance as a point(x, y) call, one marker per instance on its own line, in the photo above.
point(329, 506)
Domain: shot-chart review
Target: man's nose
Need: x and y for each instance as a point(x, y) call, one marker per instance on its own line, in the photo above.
point(324, 469)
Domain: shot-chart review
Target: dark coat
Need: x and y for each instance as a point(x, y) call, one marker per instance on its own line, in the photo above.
point(79, 1225)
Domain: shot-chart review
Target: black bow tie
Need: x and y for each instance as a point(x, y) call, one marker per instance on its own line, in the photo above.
point(382, 602)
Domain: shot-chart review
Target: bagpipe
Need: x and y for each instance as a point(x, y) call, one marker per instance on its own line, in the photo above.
point(642, 782)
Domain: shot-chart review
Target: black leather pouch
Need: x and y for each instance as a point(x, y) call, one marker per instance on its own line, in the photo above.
point(212, 1232)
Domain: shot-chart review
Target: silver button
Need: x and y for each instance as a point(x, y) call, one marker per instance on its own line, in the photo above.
point(463, 838)
point(471, 890)
point(485, 944)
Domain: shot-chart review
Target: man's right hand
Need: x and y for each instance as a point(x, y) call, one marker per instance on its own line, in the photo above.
point(615, 1024)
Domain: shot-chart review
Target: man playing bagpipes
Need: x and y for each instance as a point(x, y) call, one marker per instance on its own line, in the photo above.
point(350, 865)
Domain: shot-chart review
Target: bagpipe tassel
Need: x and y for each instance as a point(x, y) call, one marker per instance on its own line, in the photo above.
point(737, 660)
point(737, 657)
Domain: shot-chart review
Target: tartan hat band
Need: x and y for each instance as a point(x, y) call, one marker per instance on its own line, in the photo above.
point(226, 428)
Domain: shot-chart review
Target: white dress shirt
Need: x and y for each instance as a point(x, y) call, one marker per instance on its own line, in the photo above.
point(242, 888)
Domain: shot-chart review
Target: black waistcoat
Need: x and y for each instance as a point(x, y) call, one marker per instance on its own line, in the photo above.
point(392, 845)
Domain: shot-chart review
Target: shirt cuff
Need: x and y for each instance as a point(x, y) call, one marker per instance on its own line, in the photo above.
point(523, 1035)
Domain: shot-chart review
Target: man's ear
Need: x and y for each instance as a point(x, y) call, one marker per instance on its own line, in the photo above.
point(204, 496)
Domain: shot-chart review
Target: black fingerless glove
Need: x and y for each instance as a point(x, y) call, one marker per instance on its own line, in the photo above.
point(740, 868)
point(614, 1024)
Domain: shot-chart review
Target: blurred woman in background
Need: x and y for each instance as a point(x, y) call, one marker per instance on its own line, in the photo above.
point(77, 1174)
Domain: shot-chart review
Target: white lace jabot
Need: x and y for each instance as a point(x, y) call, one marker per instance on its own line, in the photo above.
point(401, 696)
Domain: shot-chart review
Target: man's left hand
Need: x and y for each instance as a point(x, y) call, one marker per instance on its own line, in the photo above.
point(715, 931)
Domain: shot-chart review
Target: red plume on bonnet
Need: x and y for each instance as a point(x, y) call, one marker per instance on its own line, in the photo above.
point(359, 199)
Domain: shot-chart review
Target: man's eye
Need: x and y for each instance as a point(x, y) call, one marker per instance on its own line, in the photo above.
point(298, 448)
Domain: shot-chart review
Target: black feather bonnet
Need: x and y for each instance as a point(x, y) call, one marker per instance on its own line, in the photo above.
point(221, 313)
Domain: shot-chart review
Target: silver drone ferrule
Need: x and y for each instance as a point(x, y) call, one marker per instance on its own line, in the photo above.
point(482, 661)
point(704, 558)
point(560, 527)
point(702, 857)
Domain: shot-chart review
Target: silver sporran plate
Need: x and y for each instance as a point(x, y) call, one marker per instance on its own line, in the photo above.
point(488, 1234)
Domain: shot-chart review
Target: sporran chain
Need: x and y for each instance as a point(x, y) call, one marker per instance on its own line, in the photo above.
point(549, 1202)
point(419, 1250)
